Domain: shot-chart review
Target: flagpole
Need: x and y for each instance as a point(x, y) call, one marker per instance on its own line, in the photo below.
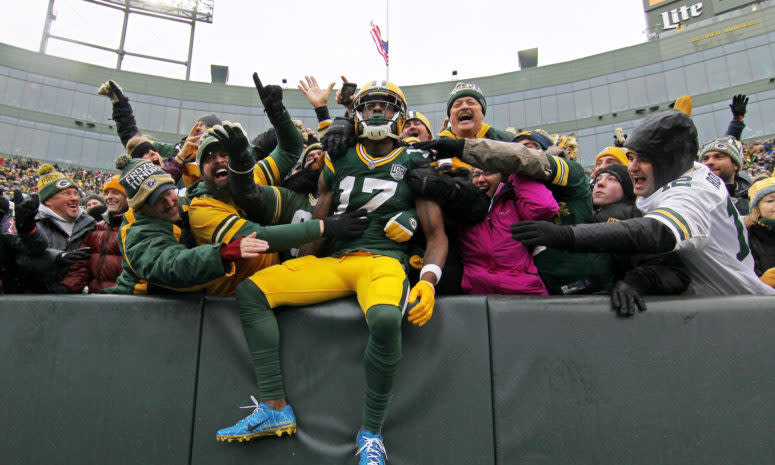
point(387, 39)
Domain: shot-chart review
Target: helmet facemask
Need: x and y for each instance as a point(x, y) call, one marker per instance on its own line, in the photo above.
point(379, 126)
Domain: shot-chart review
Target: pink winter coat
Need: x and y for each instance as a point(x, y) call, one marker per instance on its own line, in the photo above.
point(493, 262)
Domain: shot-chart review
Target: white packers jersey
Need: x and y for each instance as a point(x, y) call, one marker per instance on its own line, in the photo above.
point(710, 237)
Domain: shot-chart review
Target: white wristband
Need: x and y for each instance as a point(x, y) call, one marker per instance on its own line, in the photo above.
point(431, 268)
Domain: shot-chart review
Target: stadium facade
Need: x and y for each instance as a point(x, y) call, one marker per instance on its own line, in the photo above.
point(49, 108)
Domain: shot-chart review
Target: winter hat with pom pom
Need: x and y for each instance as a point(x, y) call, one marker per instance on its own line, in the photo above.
point(52, 182)
point(142, 180)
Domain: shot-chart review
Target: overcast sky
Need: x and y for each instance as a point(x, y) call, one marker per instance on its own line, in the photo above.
point(288, 39)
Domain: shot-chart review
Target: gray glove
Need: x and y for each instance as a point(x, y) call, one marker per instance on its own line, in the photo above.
point(112, 91)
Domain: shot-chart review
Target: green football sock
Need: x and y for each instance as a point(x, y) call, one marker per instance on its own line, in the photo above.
point(381, 361)
point(263, 336)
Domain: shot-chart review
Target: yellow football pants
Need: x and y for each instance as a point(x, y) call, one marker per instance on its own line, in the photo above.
point(375, 279)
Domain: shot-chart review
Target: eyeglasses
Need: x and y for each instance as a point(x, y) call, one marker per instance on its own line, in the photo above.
point(482, 173)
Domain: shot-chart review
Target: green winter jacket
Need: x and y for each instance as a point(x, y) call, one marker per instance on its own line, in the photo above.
point(159, 258)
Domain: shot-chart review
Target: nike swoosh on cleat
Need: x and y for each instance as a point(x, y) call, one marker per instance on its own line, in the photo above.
point(253, 427)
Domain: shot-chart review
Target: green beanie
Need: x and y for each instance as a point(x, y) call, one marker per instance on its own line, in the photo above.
point(467, 89)
point(142, 180)
point(203, 146)
point(52, 182)
point(729, 146)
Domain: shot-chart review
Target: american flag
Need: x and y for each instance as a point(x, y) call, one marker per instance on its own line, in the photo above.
point(382, 45)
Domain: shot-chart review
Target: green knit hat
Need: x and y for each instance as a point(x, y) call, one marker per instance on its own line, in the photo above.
point(310, 148)
point(467, 89)
point(728, 145)
point(142, 180)
point(52, 182)
point(200, 154)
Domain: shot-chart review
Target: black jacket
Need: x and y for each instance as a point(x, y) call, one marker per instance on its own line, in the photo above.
point(650, 273)
point(762, 241)
point(15, 248)
point(43, 273)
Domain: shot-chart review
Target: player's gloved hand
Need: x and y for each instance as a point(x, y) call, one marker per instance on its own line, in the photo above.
point(339, 137)
point(25, 211)
point(739, 106)
point(235, 143)
point(768, 277)
point(626, 299)
point(443, 148)
point(401, 227)
point(271, 97)
point(424, 181)
point(422, 310)
point(68, 258)
point(346, 226)
point(534, 233)
point(112, 91)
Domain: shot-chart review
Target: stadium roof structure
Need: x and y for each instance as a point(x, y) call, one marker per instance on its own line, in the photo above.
point(184, 11)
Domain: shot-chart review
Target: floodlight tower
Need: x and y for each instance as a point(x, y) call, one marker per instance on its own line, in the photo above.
point(182, 11)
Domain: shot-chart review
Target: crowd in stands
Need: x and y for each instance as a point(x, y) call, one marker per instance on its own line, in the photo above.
point(759, 157)
point(21, 173)
point(372, 204)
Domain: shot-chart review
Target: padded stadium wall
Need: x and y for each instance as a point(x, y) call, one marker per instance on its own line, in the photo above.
point(489, 380)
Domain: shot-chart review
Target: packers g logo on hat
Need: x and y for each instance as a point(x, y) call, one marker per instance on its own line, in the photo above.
point(62, 183)
point(720, 146)
point(150, 183)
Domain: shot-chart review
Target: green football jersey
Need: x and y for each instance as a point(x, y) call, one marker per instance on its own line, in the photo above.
point(377, 184)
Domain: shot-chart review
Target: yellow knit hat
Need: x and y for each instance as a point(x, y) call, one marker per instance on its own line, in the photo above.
point(760, 189)
point(113, 184)
point(617, 152)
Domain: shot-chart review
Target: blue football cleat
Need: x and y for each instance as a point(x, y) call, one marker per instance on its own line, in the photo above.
point(370, 448)
point(264, 421)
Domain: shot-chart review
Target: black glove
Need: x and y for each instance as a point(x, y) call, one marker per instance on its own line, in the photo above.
point(533, 233)
point(339, 137)
point(346, 226)
point(426, 182)
point(626, 299)
point(68, 258)
point(443, 148)
point(4, 206)
point(25, 211)
point(271, 97)
point(235, 142)
point(739, 106)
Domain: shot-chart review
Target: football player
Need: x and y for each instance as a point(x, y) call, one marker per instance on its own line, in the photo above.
point(369, 177)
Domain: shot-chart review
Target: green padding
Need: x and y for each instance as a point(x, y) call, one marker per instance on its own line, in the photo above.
point(441, 409)
point(97, 380)
point(686, 382)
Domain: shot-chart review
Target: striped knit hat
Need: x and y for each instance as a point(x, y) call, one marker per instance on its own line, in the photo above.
point(142, 180)
point(759, 189)
point(52, 182)
point(728, 145)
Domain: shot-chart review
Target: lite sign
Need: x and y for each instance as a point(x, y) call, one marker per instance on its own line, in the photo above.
point(671, 19)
